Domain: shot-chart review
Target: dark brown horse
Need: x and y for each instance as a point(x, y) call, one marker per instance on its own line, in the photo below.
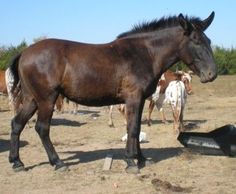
point(124, 71)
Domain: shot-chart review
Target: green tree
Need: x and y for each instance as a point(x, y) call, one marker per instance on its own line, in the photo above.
point(225, 60)
point(7, 53)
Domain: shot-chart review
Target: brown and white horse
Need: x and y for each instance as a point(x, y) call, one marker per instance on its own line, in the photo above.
point(159, 96)
point(125, 70)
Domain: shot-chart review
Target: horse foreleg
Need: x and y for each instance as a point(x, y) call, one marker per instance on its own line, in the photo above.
point(42, 127)
point(18, 123)
point(176, 115)
point(163, 116)
point(181, 126)
point(133, 150)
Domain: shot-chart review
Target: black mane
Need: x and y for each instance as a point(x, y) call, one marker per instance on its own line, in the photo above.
point(164, 22)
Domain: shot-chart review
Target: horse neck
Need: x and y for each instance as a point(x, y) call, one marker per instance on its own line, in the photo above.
point(164, 47)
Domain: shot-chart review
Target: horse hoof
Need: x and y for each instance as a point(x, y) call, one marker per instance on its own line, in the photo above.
point(132, 170)
point(19, 169)
point(149, 123)
point(146, 162)
point(18, 166)
point(149, 162)
point(111, 125)
point(61, 168)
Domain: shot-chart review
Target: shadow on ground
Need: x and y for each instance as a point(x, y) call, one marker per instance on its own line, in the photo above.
point(56, 121)
point(5, 145)
point(76, 157)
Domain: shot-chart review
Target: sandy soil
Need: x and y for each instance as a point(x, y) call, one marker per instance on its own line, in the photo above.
point(84, 140)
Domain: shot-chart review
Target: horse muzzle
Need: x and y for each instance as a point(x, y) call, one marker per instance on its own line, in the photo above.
point(208, 76)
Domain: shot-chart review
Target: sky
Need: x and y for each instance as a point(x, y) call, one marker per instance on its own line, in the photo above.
point(100, 21)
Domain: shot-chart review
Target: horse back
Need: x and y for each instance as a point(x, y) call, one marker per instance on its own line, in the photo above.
point(84, 73)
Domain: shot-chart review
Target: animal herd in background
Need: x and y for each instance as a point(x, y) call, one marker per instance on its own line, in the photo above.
point(172, 89)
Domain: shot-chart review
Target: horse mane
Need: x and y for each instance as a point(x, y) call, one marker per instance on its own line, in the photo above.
point(157, 24)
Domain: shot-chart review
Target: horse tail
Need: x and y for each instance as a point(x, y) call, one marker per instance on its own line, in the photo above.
point(13, 83)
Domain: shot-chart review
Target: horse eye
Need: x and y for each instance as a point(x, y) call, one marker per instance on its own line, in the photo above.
point(195, 39)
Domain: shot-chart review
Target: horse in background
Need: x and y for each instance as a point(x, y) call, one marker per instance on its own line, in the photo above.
point(161, 96)
point(3, 87)
point(63, 105)
point(121, 108)
point(125, 70)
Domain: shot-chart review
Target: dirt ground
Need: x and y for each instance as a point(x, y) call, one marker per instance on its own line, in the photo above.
point(84, 140)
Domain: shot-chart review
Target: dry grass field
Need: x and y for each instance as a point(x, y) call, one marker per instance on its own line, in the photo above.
point(84, 140)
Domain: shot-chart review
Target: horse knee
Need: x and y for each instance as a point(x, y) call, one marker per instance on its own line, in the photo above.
point(134, 133)
point(16, 127)
point(42, 129)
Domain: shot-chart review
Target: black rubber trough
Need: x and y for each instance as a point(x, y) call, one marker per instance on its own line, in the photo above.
point(221, 141)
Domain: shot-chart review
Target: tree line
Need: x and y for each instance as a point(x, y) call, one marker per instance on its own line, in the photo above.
point(225, 58)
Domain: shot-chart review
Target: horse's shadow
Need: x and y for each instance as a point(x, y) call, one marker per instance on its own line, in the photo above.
point(86, 112)
point(193, 124)
point(155, 122)
point(58, 121)
point(5, 145)
point(156, 154)
point(188, 124)
point(4, 110)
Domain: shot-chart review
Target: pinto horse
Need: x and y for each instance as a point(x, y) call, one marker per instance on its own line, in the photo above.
point(125, 70)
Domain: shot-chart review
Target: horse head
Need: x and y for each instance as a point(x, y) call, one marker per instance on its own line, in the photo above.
point(195, 49)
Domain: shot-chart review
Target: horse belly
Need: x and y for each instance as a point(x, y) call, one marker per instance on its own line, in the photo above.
point(92, 93)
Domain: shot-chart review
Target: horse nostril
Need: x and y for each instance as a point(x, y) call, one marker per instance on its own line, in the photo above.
point(210, 74)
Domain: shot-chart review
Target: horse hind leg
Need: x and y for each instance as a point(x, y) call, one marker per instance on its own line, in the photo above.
point(17, 124)
point(110, 121)
point(75, 108)
point(150, 109)
point(42, 127)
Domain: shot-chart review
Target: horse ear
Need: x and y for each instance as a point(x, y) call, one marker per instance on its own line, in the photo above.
point(186, 25)
point(206, 23)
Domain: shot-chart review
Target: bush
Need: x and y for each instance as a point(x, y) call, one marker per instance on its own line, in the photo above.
point(7, 53)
